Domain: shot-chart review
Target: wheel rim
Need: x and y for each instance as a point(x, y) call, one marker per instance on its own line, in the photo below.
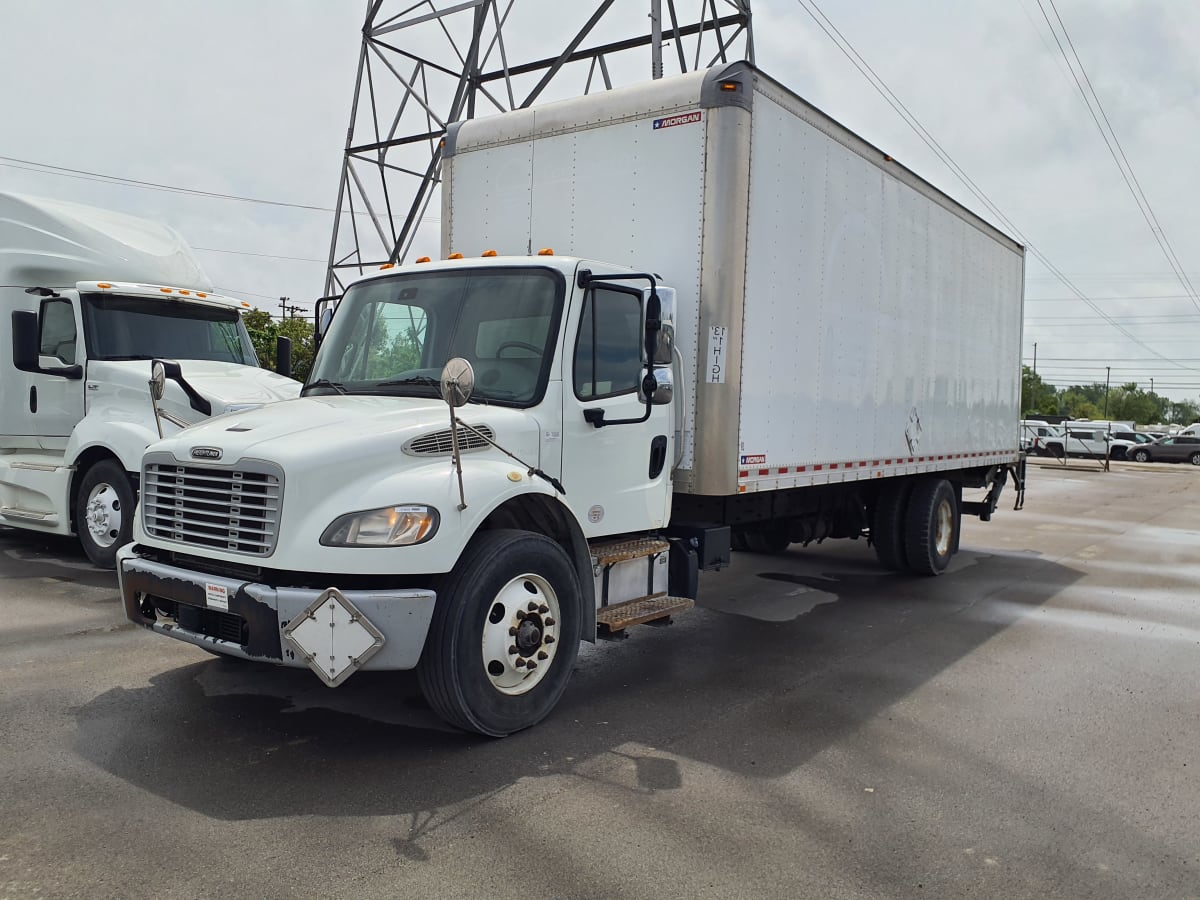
point(520, 634)
point(103, 515)
point(943, 531)
point(1196, 459)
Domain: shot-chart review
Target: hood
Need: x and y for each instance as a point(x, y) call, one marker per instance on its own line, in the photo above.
point(227, 387)
point(349, 433)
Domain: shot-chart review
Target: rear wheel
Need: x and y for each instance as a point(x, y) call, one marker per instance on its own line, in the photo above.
point(1141, 456)
point(504, 635)
point(103, 514)
point(887, 525)
point(1194, 459)
point(932, 522)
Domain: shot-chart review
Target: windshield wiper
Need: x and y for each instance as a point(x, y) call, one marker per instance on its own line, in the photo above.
point(122, 358)
point(323, 383)
point(416, 379)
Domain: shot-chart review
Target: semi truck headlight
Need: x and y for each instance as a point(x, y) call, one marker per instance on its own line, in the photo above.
point(391, 526)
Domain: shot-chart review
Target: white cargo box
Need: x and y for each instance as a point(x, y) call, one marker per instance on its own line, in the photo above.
point(839, 318)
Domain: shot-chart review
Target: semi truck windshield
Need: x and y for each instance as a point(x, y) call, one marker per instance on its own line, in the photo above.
point(118, 327)
point(394, 334)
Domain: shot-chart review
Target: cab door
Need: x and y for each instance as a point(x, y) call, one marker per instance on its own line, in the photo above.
point(53, 403)
point(617, 477)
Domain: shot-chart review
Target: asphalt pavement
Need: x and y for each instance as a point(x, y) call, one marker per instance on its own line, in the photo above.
point(1025, 725)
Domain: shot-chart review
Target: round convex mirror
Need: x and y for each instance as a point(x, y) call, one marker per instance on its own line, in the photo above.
point(158, 380)
point(458, 381)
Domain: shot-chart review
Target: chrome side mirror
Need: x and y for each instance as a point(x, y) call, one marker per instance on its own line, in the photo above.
point(664, 390)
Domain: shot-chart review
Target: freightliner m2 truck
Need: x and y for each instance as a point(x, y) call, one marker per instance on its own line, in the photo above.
point(697, 313)
point(89, 299)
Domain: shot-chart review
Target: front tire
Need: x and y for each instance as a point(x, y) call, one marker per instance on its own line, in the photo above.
point(504, 635)
point(1194, 459)
point(932, 525)
point(103, 514)
point(1141, 456)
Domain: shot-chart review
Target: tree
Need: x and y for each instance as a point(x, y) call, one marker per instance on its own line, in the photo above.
point(1037, 397)
point(264, 334)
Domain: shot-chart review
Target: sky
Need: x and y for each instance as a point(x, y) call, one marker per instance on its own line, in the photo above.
point(253, 100)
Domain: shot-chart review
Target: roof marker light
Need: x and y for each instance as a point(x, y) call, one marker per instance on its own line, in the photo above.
point(165, 290)
point(185, 292)
point(423, 259)
point(546, 251)
point(730, 86)
point(455, 256)
point(103, 285)
point(201, 294)
point(388, 266)
point(488, 253)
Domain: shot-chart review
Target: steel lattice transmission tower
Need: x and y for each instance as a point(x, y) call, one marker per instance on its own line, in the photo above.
point(426, 64)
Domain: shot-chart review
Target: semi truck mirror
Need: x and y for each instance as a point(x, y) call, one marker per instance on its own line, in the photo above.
point(158, 380)
point(458, 381)
point(27, 348)
point(663, 383)
point(283, 356)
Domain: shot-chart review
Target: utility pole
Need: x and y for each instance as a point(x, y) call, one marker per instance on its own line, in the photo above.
point(1107, 375)
point(1035, 357)
point(1151, 385)
point(286, 308)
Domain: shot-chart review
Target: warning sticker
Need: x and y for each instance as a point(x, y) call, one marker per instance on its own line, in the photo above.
point(217, 596)
point(672, 121)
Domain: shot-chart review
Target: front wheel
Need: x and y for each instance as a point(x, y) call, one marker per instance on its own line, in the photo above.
point(504, 635)
point(103, 514)
point(1141, 456)
point(1194, 459)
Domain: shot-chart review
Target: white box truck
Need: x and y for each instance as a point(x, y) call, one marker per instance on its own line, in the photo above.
point(89, 299)
point(697, 312)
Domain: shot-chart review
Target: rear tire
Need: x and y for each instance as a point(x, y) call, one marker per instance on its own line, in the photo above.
point(1194, 459)
point(103, 514)
point(476, 670)
point(932, 525)
point(887, 526)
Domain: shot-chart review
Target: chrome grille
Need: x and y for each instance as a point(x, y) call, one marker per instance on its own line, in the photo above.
point(438, 443)
point(213, 507)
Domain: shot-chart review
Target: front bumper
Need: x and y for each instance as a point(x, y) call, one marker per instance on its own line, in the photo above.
point(248, 620)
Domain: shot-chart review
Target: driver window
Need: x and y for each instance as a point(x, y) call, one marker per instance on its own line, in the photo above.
point(397, 339)
point(608, 351)
point(58, 331)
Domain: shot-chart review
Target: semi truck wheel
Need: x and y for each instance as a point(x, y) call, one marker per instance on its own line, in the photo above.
point(888, 524)
point(103, 515)
point(931, 526)
point(504, 635)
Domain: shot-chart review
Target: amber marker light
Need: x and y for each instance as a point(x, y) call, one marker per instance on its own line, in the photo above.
point(388, 266)
point(424, 259)
point(730, 86)
point(103, 285)
point(546, 251)
point(487, 253)
point(455, 256)
point(165, 290)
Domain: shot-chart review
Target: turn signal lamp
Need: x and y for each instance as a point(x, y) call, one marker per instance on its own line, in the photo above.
point(546, 251)
point(455, 256)
point(488, 253)
point(423, 259)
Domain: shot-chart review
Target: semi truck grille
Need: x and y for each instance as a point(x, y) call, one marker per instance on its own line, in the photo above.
point(211, 507)
point(438, 443)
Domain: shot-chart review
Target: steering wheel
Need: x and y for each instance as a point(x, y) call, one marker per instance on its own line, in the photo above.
point(520, 345)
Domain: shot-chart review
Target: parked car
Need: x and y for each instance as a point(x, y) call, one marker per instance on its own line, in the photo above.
point(1172, 449)
point(1035, 433)
point(1122, 443)
point(1089, 442)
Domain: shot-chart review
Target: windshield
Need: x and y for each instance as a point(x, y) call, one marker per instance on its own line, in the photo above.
point(118, 327)
point(393, 335)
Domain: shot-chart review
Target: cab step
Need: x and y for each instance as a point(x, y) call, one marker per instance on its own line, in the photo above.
point(655, 609)
point(613, 552)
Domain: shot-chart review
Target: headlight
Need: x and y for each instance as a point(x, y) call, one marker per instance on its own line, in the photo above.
point(392, 526)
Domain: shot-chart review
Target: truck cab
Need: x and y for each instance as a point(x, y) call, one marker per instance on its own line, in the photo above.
point(76, 411)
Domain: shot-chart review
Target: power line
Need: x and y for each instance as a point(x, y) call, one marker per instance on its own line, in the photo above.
point(911, 120)
point(66, 172)
point(264, 255)
point(1130, 177)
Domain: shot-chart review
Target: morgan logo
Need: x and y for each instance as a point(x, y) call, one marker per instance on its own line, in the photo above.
point(672, 121)
point(206, 453)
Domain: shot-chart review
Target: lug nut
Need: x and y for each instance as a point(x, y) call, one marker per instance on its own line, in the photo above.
point(549, 620)
point(548, 639)
point(531, 664)
point(520, 663)
point(512, 651)
point(542, 654)
point(532, 606)
point(520, 613)
point(513, 631)
point(543, 608)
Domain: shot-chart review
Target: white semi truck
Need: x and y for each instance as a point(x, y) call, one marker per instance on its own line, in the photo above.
point(698, 313)
point(88, 298)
